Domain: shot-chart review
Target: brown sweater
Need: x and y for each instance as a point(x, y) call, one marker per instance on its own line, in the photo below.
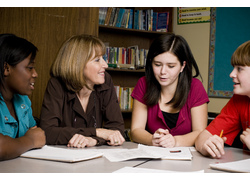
point(62, 115)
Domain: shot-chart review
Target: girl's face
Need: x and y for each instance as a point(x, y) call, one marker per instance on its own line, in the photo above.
point(240, 76)
point(166, 68)
point(94, 71)
point(21, 78)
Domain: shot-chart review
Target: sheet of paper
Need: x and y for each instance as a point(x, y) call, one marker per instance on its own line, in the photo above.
point(176, 153)
point(235, 166)
point(147, 170)
point(62, 154)
point(143, 151)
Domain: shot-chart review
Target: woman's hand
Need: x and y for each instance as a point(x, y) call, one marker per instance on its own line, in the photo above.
point(81, 141)
point(113, 137)
point(163, 138)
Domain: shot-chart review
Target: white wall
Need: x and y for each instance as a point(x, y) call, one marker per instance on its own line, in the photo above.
point(198, 36)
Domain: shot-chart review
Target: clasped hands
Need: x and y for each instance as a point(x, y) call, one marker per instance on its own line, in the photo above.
point(113, 138)
point(163, 138)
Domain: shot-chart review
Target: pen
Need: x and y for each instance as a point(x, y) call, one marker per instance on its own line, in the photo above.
point(177, 151)
point(221, 133)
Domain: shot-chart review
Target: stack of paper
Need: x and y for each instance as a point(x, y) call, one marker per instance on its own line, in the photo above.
point(143, 151)
point(62, 154)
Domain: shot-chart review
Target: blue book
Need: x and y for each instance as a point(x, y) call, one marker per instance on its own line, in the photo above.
point(154, 20)
point(136, 22)
point(119, 18)
point(162, 21)
point(130, 21)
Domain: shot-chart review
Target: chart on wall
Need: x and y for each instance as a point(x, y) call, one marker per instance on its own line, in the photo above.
point(230, 27)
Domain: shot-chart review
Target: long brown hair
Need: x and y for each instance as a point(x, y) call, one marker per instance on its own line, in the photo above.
point(179, 47)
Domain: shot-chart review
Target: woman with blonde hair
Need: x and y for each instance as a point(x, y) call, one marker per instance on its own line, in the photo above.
point(80, 106)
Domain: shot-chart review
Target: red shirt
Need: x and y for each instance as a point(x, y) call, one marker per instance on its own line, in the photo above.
point(233, 118)
point(197, 96)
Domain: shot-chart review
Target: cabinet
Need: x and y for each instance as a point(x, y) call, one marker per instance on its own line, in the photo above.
point(124, 37)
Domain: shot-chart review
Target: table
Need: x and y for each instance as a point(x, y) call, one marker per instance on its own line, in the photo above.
point(102, 165)
point(199, 162)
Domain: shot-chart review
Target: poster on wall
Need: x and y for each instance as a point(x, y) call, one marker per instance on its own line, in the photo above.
point(188, 15)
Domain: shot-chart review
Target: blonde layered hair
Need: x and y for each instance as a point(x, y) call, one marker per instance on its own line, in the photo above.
point(241, 56)
point(72, 59)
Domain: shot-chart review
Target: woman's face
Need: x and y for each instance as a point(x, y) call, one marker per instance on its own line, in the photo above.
point(94, 71)
point(21, 78)
point(166, 68)
point(240, 76)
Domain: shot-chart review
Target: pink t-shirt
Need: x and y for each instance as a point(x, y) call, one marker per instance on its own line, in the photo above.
point(233, 118)
point(197, 96)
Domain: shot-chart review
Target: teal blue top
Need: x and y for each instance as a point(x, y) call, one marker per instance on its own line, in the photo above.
point(8, 125)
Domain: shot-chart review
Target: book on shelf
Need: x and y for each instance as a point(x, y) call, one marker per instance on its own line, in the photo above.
point(108, 14)
point(145, 19)
point(128, 58)
point(120, 17)
point(112, 16)
point(102, 14)
point(162, 21)
point(124, 97)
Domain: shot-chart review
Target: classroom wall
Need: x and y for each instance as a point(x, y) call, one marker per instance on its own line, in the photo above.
point(47, 28)
point(198, 37)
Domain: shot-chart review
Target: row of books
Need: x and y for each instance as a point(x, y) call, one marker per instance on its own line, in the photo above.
point(124, 97)
point(129, 58)
point(134, 19)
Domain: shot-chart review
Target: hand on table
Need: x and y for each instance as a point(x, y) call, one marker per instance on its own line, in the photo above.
point(163, 138)
point(245, 137)
point(37, 136)
point(81, 141)
point(113, 137)
point(215, 146)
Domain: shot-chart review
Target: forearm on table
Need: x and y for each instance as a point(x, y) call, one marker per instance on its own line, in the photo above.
point(11, 148)
point(141, 136)
point(187, 139)
point(200, 141)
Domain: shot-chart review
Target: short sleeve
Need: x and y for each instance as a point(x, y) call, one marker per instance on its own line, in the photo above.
point(140, 90)
point(197, 95)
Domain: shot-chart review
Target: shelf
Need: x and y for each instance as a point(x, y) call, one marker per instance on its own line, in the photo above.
point(126, 111)
point(129, 31)
point(126, 70)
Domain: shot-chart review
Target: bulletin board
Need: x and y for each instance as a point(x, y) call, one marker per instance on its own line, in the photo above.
point(230, 27)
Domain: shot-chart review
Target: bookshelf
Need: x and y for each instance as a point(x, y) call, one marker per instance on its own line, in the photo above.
point(126, 37)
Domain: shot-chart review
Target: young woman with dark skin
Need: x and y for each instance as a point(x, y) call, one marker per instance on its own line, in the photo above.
point(18, 132)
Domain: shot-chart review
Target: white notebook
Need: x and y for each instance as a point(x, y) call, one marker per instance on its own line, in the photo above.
point(235, 166)
point(62, 154)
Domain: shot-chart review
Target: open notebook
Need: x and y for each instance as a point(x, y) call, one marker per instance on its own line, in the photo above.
point(62, 154)
point(235, 166)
